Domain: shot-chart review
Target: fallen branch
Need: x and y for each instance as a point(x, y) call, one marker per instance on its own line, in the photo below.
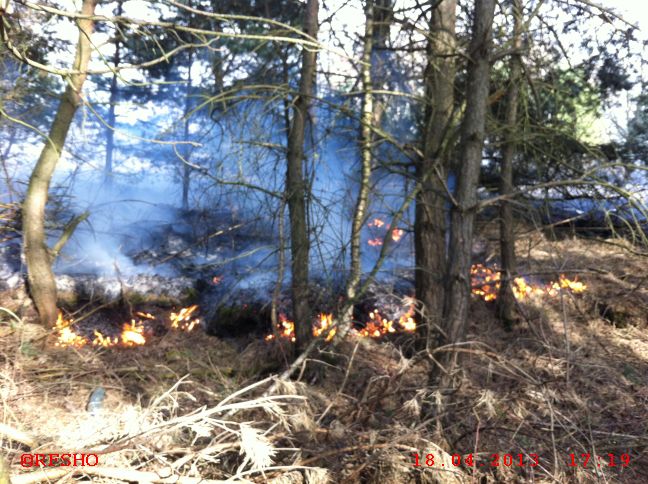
point(200, 241)
point(53, 473)
point(17, 435)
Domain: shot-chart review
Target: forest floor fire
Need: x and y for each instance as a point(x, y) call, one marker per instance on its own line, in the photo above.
point(513, 380)
point(132, 334)
point(485, 285)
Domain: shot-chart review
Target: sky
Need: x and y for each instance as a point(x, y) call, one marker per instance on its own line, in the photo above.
point(636, 13)
point(344, 30)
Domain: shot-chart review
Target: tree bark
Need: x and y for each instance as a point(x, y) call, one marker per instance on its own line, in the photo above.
point(506, 298)
point(359, 214)
point(430, 213)
point(186, 169)
point(296, 186)
point(463, 214)
point(39, 269)
point(383, 16)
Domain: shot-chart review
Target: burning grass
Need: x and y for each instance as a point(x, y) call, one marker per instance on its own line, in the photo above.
point(133, 333)
point(565, 380)
point(485, 285)
point(375, 327)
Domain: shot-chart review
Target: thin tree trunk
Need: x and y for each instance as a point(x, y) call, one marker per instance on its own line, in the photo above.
point(281, 264)
point(296, 186)
point(39, 269)
point(366, 123)
point(463, 215)
point(112, 117)
point(110, 133)
point(3, 159)
point(186, 169)
point(506, 299)
point(383, 16)
point(430, 214)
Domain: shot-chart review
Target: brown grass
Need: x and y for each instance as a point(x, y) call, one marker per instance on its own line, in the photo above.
point(570, 377)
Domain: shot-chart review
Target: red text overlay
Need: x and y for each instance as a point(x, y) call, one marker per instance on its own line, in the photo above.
point(59, 460)
point(518, 460)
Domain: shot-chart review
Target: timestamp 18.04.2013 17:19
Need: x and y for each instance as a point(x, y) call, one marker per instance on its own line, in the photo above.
point(518, 460)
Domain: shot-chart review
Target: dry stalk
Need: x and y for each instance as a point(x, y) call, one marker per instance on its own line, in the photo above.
point(53, 473)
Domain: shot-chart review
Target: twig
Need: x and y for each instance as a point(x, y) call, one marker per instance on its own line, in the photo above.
point(344, 382)
point(200, 241)
point(68, 230)
point(52, 473)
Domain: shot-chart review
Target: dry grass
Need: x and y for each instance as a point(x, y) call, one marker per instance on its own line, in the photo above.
point(168, 409)
point(570, 377)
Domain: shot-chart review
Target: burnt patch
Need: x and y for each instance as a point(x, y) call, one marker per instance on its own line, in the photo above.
point(231, 321)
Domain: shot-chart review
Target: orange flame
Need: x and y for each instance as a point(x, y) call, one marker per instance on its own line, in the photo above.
point(145, 315)
point(105, 341)
point(66, 335)
point(183, 321)
point(397, 234)
point(132, 334)
point(285, 329)
point(375, 328)
point(407, 320)
point(325, 323)
point(486, 283)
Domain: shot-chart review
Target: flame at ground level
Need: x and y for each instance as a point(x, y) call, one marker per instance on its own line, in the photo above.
point(183, 319)
point(485, 285)
point(285, 330)
point(132, 334)
point(376, 327)
point(396, 234)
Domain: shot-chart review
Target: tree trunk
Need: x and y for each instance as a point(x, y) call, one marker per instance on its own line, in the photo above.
point(186, 169)
point(296, 186)
point(110, 130)
point(359, 214)
point(506, 299)
point(39, 269)
point(430, 223)
point(383, 16)
point(463, 214)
